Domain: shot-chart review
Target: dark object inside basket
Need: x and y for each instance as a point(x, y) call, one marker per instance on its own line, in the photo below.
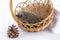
point(28, 17)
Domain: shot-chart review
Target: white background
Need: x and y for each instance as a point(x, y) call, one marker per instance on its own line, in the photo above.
point(6, 19)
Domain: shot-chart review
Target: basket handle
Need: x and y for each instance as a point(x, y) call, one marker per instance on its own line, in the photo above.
point(14, 14)
point(11, 9)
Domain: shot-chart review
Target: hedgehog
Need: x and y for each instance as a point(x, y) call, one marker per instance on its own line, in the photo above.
point(27, 17)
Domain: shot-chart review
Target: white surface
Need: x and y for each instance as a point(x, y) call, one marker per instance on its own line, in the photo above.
point(6, 20)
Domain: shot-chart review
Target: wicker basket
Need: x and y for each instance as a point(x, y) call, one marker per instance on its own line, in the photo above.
point(35, 7)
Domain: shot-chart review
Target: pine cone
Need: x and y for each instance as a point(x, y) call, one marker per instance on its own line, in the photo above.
point(12, 31)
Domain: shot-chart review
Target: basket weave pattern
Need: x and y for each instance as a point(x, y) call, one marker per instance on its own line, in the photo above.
point(35, 7)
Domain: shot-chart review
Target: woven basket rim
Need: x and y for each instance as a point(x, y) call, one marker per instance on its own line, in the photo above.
point(37, 22)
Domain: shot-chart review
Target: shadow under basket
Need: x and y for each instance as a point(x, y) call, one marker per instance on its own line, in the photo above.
point(41, 10)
